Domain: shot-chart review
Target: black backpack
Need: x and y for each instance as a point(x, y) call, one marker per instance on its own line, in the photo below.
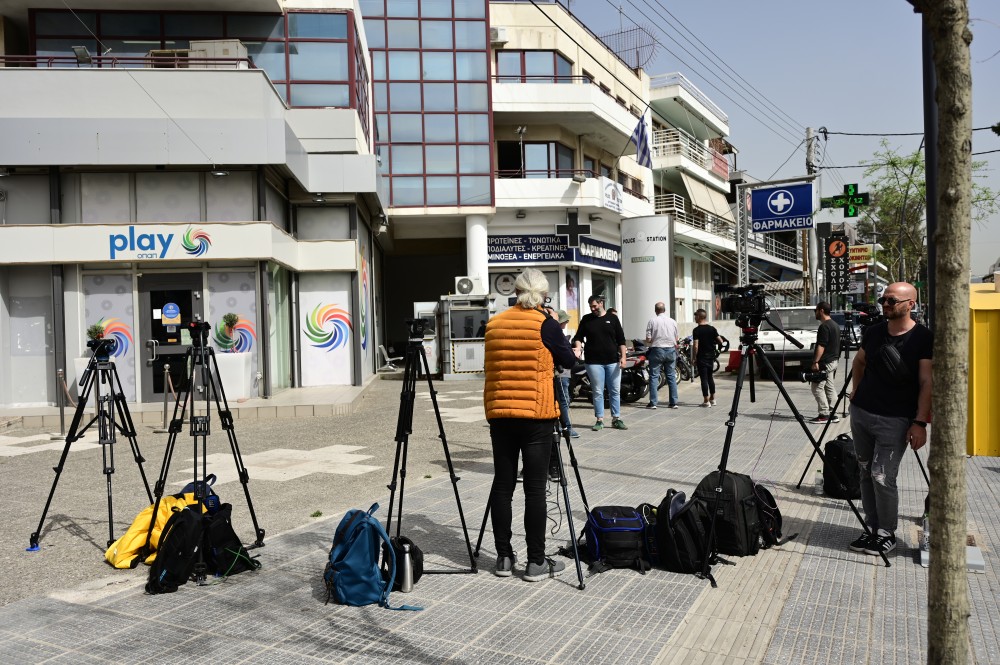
point(613, 537)
point(841, 478)
point(681, 533)
point(770, 519)
point(225, 554)
point(737, 526)
point(177, 552)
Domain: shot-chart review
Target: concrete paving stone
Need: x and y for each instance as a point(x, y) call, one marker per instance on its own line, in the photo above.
point(515, 634)
point(453, 622)
point(29, 651)
point(478, 656)
point(602, 646)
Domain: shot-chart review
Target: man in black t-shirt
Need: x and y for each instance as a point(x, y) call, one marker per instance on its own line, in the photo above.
point(705, 339)
point(825, 360)
point(890, 407)
point(604, 355)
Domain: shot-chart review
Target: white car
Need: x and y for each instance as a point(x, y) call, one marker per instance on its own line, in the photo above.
point(801, 324)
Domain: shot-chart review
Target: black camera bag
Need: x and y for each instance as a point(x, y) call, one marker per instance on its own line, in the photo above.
point(225, 554)
point(681, 533)
point(737, 525)
point(841, 477)
point(177, 552)
point(614, 538)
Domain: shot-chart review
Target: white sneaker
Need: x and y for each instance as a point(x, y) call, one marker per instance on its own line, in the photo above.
point(705, 405)
point(713, 403)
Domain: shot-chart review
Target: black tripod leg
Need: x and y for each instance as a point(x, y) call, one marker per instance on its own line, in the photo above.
point(822, 434)
point(226, 421)
point(745, 362)
point(482, 527)
point(815, 444)
point(447, 457)
point(751, 372)
point(569, 512)
point(72, 436)
point(404, 425)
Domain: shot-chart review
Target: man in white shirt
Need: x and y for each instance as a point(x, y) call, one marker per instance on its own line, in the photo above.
point(661, 339)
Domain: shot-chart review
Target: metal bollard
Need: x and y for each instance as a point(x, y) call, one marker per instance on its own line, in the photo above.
point(61, 401)
point(166, 383)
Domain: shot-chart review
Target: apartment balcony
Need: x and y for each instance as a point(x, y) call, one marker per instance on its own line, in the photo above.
point(574, 103)
point(706, 228)
point(127, 114)
point(678, 100)
point(579, 189)
point(675, 149)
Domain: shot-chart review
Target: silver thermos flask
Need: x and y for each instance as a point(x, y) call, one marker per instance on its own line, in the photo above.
point(406, 584)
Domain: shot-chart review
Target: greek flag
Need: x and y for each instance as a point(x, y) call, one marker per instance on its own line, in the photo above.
point(641, 140)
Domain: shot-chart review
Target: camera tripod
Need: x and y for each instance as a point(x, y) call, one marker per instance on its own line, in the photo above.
point(847, 338)
point(559, 431)
point(200, 357)
point(100, 372)
point(415, 358)
point(748, 349)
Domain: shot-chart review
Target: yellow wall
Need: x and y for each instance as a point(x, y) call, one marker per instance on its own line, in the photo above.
point(984, 371)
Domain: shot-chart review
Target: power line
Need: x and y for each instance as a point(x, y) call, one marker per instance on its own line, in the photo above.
point(975, 129)
point(720, 91)
point(676, 20)
point(789, 157)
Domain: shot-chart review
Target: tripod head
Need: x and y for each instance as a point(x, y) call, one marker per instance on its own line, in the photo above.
point(199, 333)
point(416, 328)
point(103, 348)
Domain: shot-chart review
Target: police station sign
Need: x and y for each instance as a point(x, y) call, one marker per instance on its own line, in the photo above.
point(782, 208)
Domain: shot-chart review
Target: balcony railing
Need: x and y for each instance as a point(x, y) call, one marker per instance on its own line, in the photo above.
point(676, 78)
point(541, 174)
point(674, 142)
point(678, 206)
point(122, 62)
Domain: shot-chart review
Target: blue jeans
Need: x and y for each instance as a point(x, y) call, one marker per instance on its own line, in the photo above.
point(562, 394)
point(662, 357)
point(879, 442)
point(610, 376)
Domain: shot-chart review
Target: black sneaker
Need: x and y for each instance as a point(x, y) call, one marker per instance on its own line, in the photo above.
point(505, 566)
point(554, 475)
point(861, 544)
point(834, 418)
point(819, 420)
point(883, 543)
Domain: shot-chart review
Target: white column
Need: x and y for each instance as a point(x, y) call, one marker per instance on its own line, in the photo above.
point(645, 280)
point(476, 248)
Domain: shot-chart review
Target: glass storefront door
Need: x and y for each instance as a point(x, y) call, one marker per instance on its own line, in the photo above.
point(167, 304)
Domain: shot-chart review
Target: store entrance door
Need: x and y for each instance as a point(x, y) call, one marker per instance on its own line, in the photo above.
point(167, 304)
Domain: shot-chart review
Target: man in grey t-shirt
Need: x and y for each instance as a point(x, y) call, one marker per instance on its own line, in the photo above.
point(825, 359)
point(661, 340)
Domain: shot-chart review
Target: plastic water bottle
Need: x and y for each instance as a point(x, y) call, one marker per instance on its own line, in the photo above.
point(406, 585)
point(819, 481)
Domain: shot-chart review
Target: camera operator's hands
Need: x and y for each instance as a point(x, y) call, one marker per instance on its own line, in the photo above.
point(916, 436)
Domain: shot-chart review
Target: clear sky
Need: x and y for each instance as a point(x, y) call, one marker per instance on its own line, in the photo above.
point(782, 65)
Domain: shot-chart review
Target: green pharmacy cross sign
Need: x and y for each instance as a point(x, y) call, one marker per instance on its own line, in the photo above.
point(850, 201)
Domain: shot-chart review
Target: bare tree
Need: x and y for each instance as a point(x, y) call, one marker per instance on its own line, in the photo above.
point(948, 603)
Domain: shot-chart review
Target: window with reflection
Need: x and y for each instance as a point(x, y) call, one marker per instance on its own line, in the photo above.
point(533, 67)
point(534, 159)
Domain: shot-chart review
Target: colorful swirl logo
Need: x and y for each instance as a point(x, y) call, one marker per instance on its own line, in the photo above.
point(324, 316)
point(120, 332)
point(242, 337)
point(364, 299)
point(196, 242)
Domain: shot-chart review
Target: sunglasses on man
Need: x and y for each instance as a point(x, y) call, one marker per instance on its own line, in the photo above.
point(892, 302)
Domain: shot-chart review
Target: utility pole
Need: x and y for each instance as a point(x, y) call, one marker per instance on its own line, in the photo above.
point(810, 257)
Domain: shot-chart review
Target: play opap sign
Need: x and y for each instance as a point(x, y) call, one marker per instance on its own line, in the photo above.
point(782, 208)
point(136, 244)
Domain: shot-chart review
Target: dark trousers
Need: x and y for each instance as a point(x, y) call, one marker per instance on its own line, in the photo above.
point(705, 374)
point(532, 440)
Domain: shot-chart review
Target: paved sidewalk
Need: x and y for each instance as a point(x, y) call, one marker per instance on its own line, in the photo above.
point(809, 601)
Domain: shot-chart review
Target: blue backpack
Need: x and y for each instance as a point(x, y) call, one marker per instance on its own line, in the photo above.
point(352, 575)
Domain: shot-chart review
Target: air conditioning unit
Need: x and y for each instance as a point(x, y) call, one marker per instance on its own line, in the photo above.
point(469, 286)
point(498, 36)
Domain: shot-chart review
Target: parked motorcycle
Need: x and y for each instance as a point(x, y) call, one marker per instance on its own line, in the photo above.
point(634, 380)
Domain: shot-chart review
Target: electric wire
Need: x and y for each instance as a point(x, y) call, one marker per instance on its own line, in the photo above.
point(975, 129)
point(797, 148)
point(141, 87)
point(767, 126)
point(795, 128)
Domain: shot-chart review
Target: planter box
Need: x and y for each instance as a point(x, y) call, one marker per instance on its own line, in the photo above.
point(235, 375)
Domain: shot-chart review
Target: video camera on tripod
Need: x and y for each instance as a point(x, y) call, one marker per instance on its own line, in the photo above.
point(102, 348)
point(416, 328)
point(868, 315)
point(746, 302)
point(199, 333)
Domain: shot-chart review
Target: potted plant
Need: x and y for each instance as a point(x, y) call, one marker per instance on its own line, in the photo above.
point(235, 363)
point(95, 331)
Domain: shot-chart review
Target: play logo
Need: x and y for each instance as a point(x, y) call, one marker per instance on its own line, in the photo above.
point(139, 246)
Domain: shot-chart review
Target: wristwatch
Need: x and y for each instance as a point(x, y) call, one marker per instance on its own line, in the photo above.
point(919, 423)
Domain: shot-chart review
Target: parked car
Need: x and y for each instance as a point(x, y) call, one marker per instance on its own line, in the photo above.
point(801, 324)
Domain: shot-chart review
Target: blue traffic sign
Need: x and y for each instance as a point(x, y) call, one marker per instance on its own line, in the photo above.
point(783, 208)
